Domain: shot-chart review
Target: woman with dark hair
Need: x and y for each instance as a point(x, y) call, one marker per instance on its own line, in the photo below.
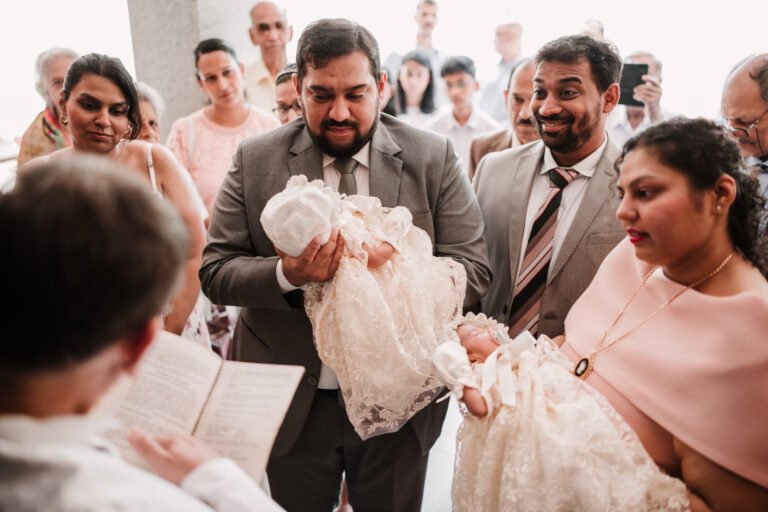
point(100, 106)
point(416, 89)
point(205, 140)
point(672, 329)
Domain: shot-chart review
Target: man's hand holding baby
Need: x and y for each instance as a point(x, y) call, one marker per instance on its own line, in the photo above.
point(318, 262)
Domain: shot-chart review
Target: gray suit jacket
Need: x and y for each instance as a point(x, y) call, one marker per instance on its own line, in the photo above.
point(503, 185)
point(408, 167)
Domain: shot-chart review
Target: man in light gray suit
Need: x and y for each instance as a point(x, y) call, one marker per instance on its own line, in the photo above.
point(549, 207)
point(343, 140)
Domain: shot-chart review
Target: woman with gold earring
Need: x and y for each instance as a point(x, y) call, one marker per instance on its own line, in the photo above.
point(673, 329)
point(100, 105)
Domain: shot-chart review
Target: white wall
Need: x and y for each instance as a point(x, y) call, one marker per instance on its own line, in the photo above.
point(697, 42)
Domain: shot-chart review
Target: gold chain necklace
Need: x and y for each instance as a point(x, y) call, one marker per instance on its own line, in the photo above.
point(586, 364)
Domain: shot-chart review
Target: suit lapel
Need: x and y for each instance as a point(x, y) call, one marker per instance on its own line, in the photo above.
point(597, 193)
point(521, 179)
point(386, 169)
point(305, 158)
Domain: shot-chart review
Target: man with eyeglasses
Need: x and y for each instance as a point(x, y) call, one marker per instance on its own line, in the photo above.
point(745, 110)
point(288, 107)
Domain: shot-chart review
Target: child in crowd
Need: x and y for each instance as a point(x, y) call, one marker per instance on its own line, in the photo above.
point(378, 320)
point(537, 437)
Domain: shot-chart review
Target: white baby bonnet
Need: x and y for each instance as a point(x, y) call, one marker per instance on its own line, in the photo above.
point(304, 210)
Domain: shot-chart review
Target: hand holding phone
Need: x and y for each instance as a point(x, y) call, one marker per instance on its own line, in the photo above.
point(631, 77)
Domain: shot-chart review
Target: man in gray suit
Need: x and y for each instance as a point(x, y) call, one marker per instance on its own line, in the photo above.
point(343, 140)
point(550, 206)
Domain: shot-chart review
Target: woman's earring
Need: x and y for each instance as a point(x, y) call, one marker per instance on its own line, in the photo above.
point(719, 208)
point(64, 120)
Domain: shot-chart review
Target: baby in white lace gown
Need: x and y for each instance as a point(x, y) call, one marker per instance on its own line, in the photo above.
point(537, 437)
point(375, 327)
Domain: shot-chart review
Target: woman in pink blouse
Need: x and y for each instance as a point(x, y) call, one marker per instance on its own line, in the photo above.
point(205, 141)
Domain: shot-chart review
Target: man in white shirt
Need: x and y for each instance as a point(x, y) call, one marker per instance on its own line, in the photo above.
point(550, 206)
point(507, 41)
point(463, 121)
point(626, 121)
point(92, 258)
point(426, 21)
point(271, 33)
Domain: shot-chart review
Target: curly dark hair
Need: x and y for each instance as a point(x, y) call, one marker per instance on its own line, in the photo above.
point(327, 39)
point(701, 150)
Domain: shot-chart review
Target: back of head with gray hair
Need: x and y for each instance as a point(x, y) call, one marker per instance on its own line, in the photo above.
point(41, 66)
point(150, 94)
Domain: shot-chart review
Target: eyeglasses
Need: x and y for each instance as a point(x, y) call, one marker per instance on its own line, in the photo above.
point(742, 133)
point(283, 110)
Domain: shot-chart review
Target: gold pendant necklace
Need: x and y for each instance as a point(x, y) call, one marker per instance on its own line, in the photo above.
point(586, 364)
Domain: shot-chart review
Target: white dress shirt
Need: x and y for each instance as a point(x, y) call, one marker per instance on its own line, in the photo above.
point(332, 178)
point(461, 135)
point(260, 86)
point(63, 463)
point(572, 195)
point(619, 128)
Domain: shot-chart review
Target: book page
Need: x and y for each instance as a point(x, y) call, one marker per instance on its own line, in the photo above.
point(167, 393)
point(245, 411)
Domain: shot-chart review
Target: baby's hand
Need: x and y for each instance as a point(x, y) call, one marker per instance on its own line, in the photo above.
point(475, 402)
point(379, 256)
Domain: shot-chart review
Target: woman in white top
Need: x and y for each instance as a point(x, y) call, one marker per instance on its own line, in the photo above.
point(416, 89)
point(205, 141)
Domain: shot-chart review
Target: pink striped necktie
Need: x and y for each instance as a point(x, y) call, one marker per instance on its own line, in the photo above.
point(532, 278)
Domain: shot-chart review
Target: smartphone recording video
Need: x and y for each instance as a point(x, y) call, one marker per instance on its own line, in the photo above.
point(631, 77)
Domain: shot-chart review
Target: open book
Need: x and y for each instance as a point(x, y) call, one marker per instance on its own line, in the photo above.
point(183, 388)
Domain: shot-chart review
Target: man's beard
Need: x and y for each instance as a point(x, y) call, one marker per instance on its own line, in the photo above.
point(360, 140)
point(573, 137)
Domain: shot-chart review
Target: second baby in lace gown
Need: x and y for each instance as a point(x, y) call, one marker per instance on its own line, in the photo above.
point(375, 327)
point(537, 437)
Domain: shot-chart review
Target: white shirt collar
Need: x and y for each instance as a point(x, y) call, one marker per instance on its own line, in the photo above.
point(585, 167)
point(363, 157)
point(56, 429)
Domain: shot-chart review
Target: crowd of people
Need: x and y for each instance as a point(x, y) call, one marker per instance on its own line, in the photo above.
point(634, 239)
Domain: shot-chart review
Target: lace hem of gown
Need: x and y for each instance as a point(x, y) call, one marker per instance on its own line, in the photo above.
point(560, 447)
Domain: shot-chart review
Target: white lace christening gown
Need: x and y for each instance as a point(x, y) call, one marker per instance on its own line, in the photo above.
point(377, 328)
point(552, 443)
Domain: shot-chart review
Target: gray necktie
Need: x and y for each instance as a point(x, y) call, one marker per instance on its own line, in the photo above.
point(346, 166)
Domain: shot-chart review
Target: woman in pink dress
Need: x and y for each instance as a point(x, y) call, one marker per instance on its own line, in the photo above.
point(672, 330)
point(205, 140)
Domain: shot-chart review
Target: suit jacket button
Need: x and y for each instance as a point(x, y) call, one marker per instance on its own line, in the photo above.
point(312, 380)
point(551, 315)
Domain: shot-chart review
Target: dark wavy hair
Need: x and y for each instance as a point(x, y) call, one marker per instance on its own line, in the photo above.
point(701, 150)
point(603, 57)
point(212, 45)
point(427, 104)
point(113, 70)
point(327, 39)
